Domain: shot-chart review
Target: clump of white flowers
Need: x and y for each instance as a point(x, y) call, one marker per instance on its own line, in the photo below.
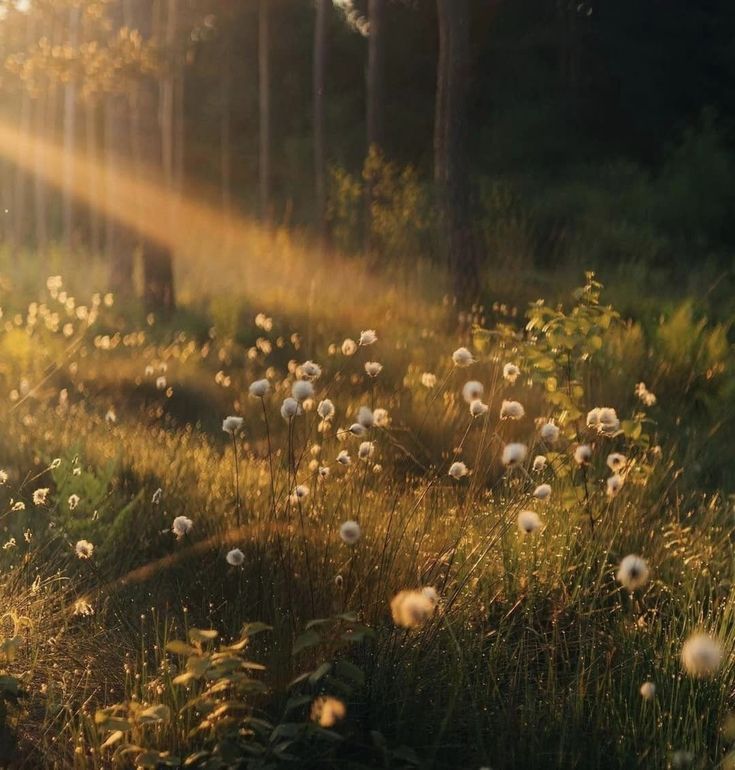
point(259, 388)
point(603, 419)
point(514, 454)
point(633, 572)
point(235, 557)
point(457, 470)
point(511, 410)
point(510, 373)
point(368, 337)
point(182, 526)
point(232, 424)
point(350, 532)
point(549, 432)
point(462, 357)
point(701, 655)
point(411, 609)
point(528, 522)
point(478, 408)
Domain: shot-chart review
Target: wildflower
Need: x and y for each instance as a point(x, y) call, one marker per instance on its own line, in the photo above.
point(458, 470)
point(83, 607)
point(235, 557)
point(326, 711)
point(40, 496)
point(350, 532)
point(182, 526)
point(582, 454)
point(259, 388)
point(365, 452)
point(462, 357)
point(381, 418)
point(472, 390)
point(302, 389)
point(539, 463)
point(84, 549)
point(542, 492)
point(614, 485)
point(549, 432)
point(645, 395)
point(325, 409)
point(323, 471)
point(428, 380)
point(528, 522)
point(301, 492)
point(510, 373)
point(633, 572)
point(616, 461)
point(373, 368)
point(73, 502)
point(648, 690)
point(368, 337)
point(310, 370)
point(357, 429)
point(603, 420)
point(513, 454)
point(511, 410)
point(290, 408)
point(349, 347)
point(411, 609)
point(701, 655)
point(365, 417)
point(18, 505)
point(478, 408)
point(161, 383)
point(431, 594)
point(232, 424)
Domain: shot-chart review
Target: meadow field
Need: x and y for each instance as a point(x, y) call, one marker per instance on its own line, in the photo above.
point(231, 542)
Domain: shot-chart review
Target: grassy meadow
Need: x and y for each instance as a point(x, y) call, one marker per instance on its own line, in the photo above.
point(238, 539)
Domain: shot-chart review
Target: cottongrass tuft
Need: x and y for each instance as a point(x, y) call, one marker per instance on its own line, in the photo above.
point(428, 380)
point(326, 409)
point(528, 522)
point(259, 388)
point(514, 454)
point(614, 485)
point(633, 572)
point(539, 463)
point(310, 370)
point(84, 549)
point(512, 410)
point(549, 432)
point(350, 532)
point(365, 417)
point(603, 419)
point(510, 373)
point(411, 609)
point(373, 368)
point(73, 502)
point(368, 337)
point(290, 408)
point(343, 458)
point(381, 418)
point(457, 470)
point(472, 390)
point(648, 691)
point(542, 492)
point(232, 424)
point(40, 496)
point(583, 454)
point(366, 450)
point(478, 408)
point(182, 526)
point(349, 347)
point(462, 357)
point(302, 389)
point(701, 655)
point(616, 461)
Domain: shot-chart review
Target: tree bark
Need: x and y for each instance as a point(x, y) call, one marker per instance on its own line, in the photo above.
point(450, 156)
point(319, 87)
point(264, 108)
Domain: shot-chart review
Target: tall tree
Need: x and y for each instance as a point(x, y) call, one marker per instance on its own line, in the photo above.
point(264, 108)
point(450, 154)
point(319, 89)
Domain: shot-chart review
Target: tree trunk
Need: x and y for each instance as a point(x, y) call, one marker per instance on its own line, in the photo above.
point(70, 107)
point(264, 107)
point(319, 74)
point(375, 74)
point(450, 158)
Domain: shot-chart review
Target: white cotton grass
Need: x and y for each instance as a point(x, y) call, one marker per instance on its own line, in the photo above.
point(349, 347)
point(290, 408)
point(539, 463)
point(373, 368)
point(300, 492)
point(326, 409)
point(514, 454)
point(701, 655)
point(457, 470)
point(478, 408)
point(603, 419)
point(302, 389)
point(232, 424)
point(644, 394)
point(549, 432)
point(235, 557)
point(512, 410)
point(350, 532)
point(528, 522)
point(542, 492)
point(381, 418)
point(73, 502)
point(357, 429)
point(632, 572)
point(583, 454)
point(310, 371)
point(365, 417)
point(511, 373)
point(428, 380)
point(366, 450)
point(343, 458)
point(259, 388)
point(614, 485)
point(412, 609)
point(181, 526)
point(40, 496)
point(462, 358)
point(648, 690)
point(472, 390)
point(84, 549)
point(368, 337)
point(616, 461)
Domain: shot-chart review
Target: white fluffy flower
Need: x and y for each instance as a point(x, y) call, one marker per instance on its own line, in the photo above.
point(478, 408)
point(349, 347)
point(290, 408)
point(648, 690)
point(84, 549)
point(462, 357)
point(365, 452)
point(259, 388)
point(603, 419)
point(357, 429)
point(645, 395)
point(365, 417)
point(701, 655)
point(528, 522)
point(511, 410)
point(514, 453)
point(539, 463)
point(40, 496)
point(323, 471)
point(182, 526)
point(350, 532)
point(633, 572)
point(511, 372)
point(381, 418)
point(343, 458)
point(232, 424)
point(326, 711)
point(310, 370)
point(373, 368)
point(549, 432)
point(301, 492)
point(325, 409)
point(472, 391)
point(542, 492)
point(614, 485)
point(411, 609)
point(302, 389)
point(368, 337)
point(457, 470)
point(582, 454)
point(235, 557)
point(428, 380)
point(73, 502)
point(616, 461)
